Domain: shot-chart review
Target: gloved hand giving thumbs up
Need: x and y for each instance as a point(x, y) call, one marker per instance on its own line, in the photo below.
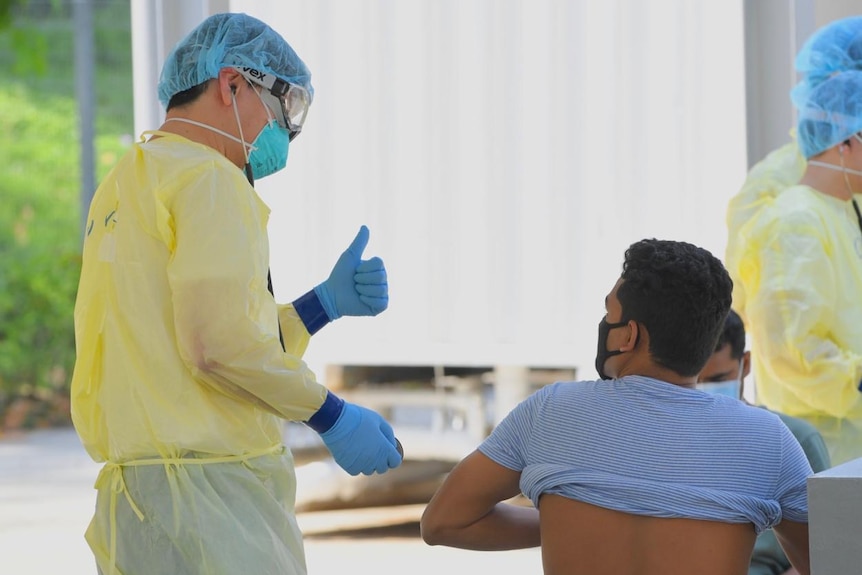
point(355, 287)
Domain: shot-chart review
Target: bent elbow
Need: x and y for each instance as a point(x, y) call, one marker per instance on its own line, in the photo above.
point(433, 532)
point(429, 532)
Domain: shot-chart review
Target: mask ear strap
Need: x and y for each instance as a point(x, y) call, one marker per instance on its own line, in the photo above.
point(238, 123)
point(210, 128)
point(249, 175)
point(844, 169)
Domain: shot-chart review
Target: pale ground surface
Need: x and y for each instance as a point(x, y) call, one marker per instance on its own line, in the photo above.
point(46, 501)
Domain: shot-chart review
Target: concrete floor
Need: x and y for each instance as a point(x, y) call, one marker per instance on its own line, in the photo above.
point(46, 501)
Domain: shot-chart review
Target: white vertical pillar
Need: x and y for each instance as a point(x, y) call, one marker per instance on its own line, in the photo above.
point(146, 62)
point(157, 25)
point(511, 386)
point(774, 32)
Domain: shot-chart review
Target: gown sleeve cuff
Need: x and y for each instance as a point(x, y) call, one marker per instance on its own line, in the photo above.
point(311, 312)
point(327, 415)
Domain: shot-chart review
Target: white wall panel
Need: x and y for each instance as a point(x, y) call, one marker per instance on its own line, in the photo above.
point(504, 154)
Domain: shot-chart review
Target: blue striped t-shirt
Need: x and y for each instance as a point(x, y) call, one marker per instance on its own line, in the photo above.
point(647, 447)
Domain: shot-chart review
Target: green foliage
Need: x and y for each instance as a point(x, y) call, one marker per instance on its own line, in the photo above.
point(31, 51)
point(29, 44)
point(38, 241)
point(6, 12)
point(40, 210)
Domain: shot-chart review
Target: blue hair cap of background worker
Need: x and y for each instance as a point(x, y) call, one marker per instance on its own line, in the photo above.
point(230, 40)
point(829, 112)
point(835, 47)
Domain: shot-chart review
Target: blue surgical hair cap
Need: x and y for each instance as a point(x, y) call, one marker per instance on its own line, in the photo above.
point(833, 48)
point(829, 112)
point(225, 40)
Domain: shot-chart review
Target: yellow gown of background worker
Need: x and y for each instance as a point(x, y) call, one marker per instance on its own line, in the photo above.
point(180, 373)
point(795, 257)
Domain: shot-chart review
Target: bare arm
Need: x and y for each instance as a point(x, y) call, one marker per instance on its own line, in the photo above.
point(467, 511)
point(793, 537)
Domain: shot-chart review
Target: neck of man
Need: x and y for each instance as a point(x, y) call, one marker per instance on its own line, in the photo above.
point(651, 369)
point(829, 181)
point(199, 112)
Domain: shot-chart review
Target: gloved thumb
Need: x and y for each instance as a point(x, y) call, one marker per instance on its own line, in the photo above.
point(359, 242)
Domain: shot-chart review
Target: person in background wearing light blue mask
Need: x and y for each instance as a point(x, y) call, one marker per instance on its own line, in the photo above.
point(186, 366)
point(728, 366)
point(724, 374)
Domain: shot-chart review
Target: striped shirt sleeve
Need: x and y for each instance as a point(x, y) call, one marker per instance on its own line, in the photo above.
point(791, 488)
point(509, 442)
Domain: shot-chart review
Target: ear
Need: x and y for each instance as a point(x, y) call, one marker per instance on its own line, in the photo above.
point(229, 82)
point(633, 337)
point(746, 364)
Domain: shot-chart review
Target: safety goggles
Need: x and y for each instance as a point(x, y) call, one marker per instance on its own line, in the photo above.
point(289, 102)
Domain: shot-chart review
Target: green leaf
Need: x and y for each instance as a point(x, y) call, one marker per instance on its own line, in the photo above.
point(31, 51)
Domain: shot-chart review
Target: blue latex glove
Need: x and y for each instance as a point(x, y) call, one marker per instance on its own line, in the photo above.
point(355, 286)
point(361, 441)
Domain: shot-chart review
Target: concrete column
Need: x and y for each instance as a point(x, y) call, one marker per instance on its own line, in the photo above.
point(774, 32)
point(511, 386)
point(157, 25)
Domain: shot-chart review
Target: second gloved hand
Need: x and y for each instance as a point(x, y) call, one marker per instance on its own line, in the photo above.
point(355, 287)
point(361, 441)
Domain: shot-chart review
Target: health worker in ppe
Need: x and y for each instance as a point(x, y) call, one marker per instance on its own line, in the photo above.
point(831, 49)
point(186, 366)
point(797, 272)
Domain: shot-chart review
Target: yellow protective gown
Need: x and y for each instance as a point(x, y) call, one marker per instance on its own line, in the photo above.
point(181, 382)
point(795, 257)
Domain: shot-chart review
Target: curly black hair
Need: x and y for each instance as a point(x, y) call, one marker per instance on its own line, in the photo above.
point(733, 333)
point(681, 294)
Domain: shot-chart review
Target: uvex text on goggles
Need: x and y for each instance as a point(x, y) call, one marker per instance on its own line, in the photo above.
point(289, 101)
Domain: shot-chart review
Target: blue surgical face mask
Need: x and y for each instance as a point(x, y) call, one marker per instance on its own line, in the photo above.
point(268, 153)
point(730, 388)
point(269, 150)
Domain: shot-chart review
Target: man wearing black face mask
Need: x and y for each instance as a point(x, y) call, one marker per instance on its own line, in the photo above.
point(603, 353)
point(637, 472)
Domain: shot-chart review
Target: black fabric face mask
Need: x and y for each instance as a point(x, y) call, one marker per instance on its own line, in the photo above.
point(603, 352)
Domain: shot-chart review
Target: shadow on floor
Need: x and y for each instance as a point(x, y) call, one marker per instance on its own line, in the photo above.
point(407, 530)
